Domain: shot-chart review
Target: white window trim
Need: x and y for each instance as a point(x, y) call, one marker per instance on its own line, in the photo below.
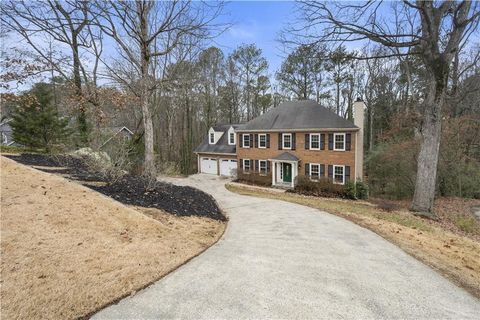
point(264, 135)
point(249, 166)
point(210, 137)
point(229, 140)
point(344, 141)
point(283, 141)
point(310, 171)
point(243, 140)
point(333, 174)
point(260, 167)
point(310, 146)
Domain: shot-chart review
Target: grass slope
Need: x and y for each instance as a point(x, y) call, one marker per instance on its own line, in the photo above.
point(68, 251)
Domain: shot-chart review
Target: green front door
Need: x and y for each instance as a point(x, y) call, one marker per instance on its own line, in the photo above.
point(287, 172)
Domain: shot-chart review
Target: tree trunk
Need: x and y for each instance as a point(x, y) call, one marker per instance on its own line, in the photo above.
point(82, 117)
point(430, 140)
point(149, 161)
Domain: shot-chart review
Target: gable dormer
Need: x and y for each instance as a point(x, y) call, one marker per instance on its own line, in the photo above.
point(214, 136)
point(232, 140)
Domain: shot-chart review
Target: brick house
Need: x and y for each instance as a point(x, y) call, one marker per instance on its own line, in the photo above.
point(299, 138)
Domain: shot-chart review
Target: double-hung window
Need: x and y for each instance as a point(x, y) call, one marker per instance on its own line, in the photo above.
point(246, 165)
point(262, 166)
point(212, 138)
point(246, 140)
point(287, 141)
point(339, 174)
point(315, 141)
point(262, 141)
point(231, 138)
point(339, 142)
point(314, 171)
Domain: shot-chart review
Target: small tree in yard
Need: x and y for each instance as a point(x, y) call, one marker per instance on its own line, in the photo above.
point(36, 123)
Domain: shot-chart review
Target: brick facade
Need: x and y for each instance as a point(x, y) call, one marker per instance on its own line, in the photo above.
point(325, 157)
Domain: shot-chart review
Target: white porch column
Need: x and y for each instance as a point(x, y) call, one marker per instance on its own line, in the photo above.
point(274, 172)
point(294, 174)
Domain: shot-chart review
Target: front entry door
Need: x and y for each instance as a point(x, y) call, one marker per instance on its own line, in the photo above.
point(287, 172)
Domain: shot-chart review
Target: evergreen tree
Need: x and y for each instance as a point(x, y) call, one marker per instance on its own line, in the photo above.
point(36, 123)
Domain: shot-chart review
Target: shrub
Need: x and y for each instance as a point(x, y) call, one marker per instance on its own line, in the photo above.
point(255, 178)
point(322, 188)
point(350, 191)
point(361, 190)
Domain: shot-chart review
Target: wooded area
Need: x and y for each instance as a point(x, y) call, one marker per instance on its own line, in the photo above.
point(151, 66)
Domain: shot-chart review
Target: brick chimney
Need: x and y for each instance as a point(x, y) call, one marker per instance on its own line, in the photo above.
point(358, 120)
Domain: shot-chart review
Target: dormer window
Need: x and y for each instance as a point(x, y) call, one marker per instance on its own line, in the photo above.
point(212, 138)
point(231, 138)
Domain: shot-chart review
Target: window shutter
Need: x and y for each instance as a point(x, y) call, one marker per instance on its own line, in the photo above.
point(330, 141)
point(268, 166)
point(322, 141)
point(330, 171)
point(347, 173)
point(256, 166)
point(241, 163)
point(307, 169)
point(322, 170)
point(279, 141)
point(294, 142)
point(348, 142)
point(251, 140)
point(256, 140)
point(307, 141)
point(268, 140)
point(241, 140)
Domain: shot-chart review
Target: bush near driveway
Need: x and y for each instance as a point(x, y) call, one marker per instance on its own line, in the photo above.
point(254, 178)
point(324, 187)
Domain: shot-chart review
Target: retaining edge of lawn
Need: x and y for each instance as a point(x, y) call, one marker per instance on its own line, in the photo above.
point(472, 290)
point(143, 286)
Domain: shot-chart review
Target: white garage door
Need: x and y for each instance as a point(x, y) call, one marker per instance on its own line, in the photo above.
point(208, 165)
point(228, 167)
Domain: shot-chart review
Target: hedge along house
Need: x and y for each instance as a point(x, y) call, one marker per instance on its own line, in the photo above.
point(302, 138)
point(217, 153)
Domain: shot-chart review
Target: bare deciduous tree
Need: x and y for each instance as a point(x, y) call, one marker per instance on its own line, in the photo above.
point(148, 30)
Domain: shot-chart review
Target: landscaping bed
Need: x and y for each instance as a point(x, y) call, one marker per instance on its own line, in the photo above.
point(129, 189)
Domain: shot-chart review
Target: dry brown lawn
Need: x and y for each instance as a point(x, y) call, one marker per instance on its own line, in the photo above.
point(67, 251)
point(454, 255)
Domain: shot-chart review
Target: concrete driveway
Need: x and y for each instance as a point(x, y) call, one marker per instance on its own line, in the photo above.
point(282, 260)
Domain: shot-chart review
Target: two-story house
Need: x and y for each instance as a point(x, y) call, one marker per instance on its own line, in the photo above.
point(300, 138)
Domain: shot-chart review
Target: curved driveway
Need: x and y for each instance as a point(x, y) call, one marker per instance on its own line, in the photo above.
point(282, 260)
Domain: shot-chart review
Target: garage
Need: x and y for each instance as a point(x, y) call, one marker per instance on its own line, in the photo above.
point(208, 165)
point(228, 167)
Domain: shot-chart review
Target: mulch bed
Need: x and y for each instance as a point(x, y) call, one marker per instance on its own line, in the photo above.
point(130, 189)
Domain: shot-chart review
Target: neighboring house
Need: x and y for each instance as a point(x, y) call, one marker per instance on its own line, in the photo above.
point(6, 133)
point(298, 138)
point(217, 153)
point(116, 133)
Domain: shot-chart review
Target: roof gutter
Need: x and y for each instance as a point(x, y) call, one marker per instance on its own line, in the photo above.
point(299, 130)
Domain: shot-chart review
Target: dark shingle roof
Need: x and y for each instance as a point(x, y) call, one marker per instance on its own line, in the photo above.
point(304, 114)
point(222, 145)
point(286, 156)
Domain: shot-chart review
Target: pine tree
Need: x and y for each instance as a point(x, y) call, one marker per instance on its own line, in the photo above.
point(36, 123)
